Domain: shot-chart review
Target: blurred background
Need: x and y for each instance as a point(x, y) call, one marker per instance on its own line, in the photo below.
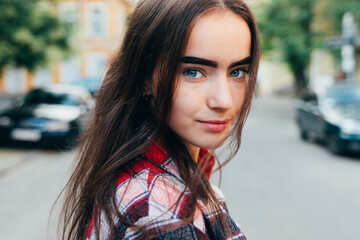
point(297, 174)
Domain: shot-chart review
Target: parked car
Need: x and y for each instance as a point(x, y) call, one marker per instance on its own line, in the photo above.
point(333, 117)
point(47, 116)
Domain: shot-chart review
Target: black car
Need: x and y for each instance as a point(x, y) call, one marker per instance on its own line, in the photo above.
point(47, 116)
point(332, 117)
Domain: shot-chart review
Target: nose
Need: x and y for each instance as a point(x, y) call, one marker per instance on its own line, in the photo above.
point(220, 97)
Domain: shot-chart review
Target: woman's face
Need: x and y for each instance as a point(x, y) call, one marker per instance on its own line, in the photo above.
point(212, 80)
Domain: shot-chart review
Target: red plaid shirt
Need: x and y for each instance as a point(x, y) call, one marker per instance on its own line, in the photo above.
point(149, 198)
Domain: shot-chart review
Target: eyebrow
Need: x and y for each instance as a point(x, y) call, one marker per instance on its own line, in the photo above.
point(210, 63)
point(241, 62)
point(200, 61)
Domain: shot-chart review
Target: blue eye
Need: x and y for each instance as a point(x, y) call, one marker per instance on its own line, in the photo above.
point(238, 73)
point(192, 73)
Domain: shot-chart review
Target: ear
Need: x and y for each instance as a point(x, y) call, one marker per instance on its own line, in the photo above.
point(148, 89)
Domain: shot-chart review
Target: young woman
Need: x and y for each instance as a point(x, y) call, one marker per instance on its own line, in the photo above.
point(181, 84)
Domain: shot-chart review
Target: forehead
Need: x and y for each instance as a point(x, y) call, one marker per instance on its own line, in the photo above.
point(219, 35)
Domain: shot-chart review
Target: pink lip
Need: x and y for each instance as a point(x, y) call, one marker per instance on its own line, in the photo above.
point(214, 125)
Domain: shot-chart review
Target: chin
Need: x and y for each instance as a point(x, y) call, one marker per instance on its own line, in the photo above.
point(211, 145)
point(218, 145)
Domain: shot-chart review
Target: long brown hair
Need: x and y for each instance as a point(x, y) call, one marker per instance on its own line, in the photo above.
point(123, 122)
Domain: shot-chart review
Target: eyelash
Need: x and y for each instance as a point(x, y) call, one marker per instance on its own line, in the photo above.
point(193, 70)
point(240, 70)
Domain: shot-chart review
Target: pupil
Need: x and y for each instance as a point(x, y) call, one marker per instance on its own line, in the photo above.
point(192, 73)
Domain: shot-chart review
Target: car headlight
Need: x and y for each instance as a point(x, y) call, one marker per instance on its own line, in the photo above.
point(350, 126)
point(5, 121)
point(57, 126)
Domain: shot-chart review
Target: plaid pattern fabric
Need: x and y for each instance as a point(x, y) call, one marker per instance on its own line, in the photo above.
point(151, 197)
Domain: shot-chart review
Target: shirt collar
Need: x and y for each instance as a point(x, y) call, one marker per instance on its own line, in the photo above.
point(158, 153)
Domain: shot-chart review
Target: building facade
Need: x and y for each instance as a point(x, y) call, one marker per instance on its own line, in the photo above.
point(99, 26)
point(99, 29)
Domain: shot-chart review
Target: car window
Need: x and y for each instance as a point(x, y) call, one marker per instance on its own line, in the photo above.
point(309, 97)
point(344, 96)
point(43, 97)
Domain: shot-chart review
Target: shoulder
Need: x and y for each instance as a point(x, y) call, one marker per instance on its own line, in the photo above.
point(153, 178)
point(154, 186)
point(220, 196)
point(147, 194)
point(214, 221)
point(155, 197)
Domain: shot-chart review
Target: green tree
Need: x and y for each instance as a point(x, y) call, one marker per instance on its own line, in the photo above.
point(295, 28)
point(331, 14)
point(332, 11)
point(286, 26)
point(30, 33)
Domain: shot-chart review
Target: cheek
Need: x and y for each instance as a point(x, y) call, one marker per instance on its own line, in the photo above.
point(186, 103)
point(179, 119)
point(187, 99)
point(239, 98)
point(178, 110)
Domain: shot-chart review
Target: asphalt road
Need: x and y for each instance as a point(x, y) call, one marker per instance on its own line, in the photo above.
point(281, 188)
point(30, 181)
point(277, 187)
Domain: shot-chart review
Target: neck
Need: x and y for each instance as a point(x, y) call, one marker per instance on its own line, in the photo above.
point(194, 151)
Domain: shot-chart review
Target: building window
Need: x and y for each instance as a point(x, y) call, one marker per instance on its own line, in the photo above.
point(70, 70)
point(95, 64)
point(97, 22)
point(15, 80)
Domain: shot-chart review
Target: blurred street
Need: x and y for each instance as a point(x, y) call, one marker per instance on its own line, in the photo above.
point(30, 181)
point(281, 188)
point(277, 188)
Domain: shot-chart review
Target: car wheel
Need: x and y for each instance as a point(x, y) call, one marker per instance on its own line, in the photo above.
point(303, 134)
point(332, 144)
point(73, 140)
